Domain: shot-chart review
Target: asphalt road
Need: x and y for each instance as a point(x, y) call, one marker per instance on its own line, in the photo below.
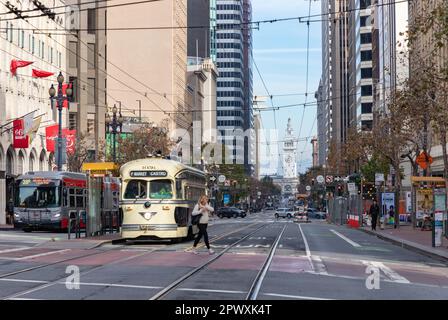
point(257, 256)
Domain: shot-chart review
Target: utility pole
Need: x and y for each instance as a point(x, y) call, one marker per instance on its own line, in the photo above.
point(139, 110)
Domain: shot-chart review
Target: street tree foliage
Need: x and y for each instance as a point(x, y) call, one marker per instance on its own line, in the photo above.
point(147, 139)
point(83, 153)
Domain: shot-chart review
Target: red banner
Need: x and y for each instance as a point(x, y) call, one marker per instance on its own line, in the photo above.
point(71, 140)
point(20, 140)
point(51, 133)
point(18, 64)
point(41, 73)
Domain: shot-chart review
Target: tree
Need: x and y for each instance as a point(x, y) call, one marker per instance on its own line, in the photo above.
point(147, 139)
point(82, 153)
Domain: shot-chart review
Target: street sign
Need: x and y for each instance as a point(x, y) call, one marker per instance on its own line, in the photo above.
point(351, 187)
point(320, 179)
point(329, 179)
point(227, 183)
point(222, 178)
point(308, 188)
point(423, 160)
point(379, 177)
point(212, 178)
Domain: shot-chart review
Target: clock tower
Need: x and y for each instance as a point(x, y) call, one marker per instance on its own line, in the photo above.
point(289, 153)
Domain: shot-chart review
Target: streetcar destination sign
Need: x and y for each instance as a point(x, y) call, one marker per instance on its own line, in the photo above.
point(152, 173)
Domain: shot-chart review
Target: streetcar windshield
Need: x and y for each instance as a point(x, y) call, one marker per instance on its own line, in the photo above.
point(135, 189)
point(160, 189)
point(38, 197)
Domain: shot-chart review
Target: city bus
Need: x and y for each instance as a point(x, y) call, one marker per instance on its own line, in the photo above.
point(157, 198)
point(45, 200)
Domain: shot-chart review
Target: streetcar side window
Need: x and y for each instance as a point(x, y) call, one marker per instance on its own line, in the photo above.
point(135, 189)
point(79, 198)
point(161, 189)
point(72, 198)
point(179, 191)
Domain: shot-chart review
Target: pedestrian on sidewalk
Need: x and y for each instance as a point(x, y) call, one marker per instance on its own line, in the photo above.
point(374, 212)
point(203, 208)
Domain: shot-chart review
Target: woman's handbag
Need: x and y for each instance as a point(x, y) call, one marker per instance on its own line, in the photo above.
point(195, 219)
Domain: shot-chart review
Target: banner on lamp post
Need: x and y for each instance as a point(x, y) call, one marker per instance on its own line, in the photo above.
point(20, 140)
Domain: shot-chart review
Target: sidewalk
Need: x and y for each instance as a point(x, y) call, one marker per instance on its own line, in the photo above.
point(412, 239)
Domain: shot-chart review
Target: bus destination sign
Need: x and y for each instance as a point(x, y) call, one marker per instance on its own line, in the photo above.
point(149, 174)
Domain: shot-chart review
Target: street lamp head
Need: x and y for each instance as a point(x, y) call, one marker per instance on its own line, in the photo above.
point(69, 90)
point(52, 91)
point(114, 109)
point(60, 78)
point(107, 119)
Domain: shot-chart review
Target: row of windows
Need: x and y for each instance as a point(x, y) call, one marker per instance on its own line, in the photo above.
point(228, 45)
point(229, 55)
point(48, 53)
point(236, 94)
point(366, 55)
point(235, 7)
point(229, 104)
point(229, 26)
point(230, 113)
point(228, 17)
point(229, 84)
point(228, 35)
point(229, 123)
point(235, 65)
point(230, 75)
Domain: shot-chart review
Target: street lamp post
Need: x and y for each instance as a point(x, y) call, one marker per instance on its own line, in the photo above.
point(114, 126)
point(60, 104)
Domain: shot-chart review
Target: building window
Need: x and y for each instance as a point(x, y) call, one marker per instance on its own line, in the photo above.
point(72, 121)
point(366, 107)
point(73, 54)
point(11, 33)
point(91, 123)
point(91, 90)
point(91, 20)
point(364, 4)
point(366, 55)
point(366, 125)
point(33, 45)
point(366, 73)
point(366, 90)
point(91, 55)
point(366, 38)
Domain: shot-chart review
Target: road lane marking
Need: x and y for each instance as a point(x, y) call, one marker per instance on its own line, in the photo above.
point(393, 276)
point(114, 285)
point(293, 297)
point(42, 254)
point(25, 280)
point(15, 249)
point(353, 243)
point(212, 290)
point(320, 266)
point(307, 248)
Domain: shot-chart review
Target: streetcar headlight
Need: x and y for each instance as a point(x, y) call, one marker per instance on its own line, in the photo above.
point(16, 215)
point(147, 215)
point(147, 204)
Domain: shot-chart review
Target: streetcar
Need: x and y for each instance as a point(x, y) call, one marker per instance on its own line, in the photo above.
point(157, 198)
point(44, 200)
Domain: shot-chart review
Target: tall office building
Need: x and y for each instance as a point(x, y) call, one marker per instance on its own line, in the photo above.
point(234, 51)
point(334, 90)
point(87, 67)
point(198, 34)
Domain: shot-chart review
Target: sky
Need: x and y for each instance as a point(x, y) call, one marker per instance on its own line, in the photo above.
point(280, 52)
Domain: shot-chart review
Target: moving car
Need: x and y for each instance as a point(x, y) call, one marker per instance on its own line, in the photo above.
point(316, 214)
point(284, 213)
point(230, 212)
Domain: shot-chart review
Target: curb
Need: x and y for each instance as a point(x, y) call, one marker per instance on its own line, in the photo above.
point(408, 245)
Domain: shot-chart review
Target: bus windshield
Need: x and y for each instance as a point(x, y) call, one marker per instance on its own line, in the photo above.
point(38, 197)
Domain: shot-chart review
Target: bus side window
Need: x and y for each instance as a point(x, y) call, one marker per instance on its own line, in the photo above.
point(72, 199)
point(79, 198)
point(64, 197)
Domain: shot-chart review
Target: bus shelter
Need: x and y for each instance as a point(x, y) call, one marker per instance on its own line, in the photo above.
point(103, 197)
point(430, 206)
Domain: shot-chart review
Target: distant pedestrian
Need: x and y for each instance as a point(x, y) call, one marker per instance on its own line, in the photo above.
point(374, 212)
point(392, 216)
point(202, 208)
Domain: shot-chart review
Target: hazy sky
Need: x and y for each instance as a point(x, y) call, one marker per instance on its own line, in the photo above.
point(280, 51)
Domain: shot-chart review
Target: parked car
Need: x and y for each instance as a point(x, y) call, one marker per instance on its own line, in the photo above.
point(230, 212)
point(284, 213)
point(269, 208)
point(316, 214)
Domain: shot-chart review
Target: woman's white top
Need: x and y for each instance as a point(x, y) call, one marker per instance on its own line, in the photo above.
point(205, 210)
